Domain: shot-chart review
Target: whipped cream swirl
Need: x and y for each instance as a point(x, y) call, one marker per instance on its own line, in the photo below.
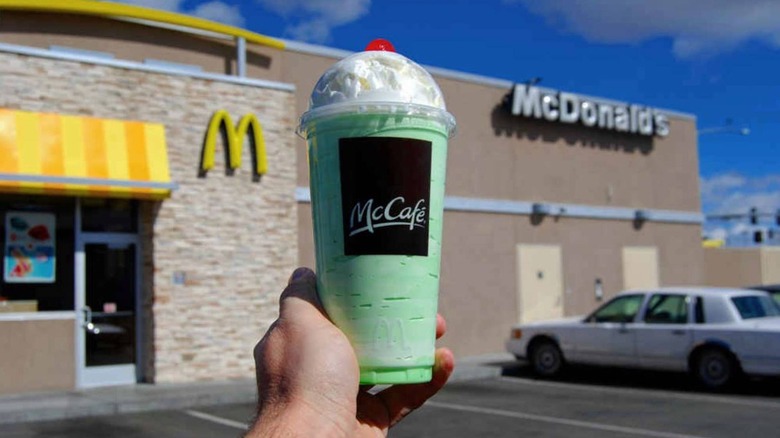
point(376, 76)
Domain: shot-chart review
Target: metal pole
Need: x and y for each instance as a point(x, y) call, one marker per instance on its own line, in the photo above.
point(241, 56)
point(719, 129)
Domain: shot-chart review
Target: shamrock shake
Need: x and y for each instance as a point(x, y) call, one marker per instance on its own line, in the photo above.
point(377, 131)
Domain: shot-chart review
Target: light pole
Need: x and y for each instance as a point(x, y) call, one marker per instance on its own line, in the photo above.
point(725, 129)
point(728, 127)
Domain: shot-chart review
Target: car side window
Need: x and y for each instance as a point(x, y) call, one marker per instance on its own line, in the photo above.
point(667, 309)
point(620, 309)
point(755, 306)
point(700, 318)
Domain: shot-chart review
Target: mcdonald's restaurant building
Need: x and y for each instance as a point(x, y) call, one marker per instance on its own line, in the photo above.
point(154, 197)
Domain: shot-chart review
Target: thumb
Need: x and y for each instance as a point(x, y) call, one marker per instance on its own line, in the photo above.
point(300, 295)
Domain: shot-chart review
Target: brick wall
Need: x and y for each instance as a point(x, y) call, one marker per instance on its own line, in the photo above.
point(234, 241)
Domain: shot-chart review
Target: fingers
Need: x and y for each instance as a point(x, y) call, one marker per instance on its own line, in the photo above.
point(441, 326)
point(400, 400)
point(303, 285)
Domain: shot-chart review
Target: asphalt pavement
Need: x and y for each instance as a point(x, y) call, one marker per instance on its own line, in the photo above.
point(587, 402)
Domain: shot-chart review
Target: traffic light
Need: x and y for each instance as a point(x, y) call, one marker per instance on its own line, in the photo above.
point(777, 216)
point(758, 236)
point(754, 215)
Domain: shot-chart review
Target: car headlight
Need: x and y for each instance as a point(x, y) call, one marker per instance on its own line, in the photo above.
point(516, 333)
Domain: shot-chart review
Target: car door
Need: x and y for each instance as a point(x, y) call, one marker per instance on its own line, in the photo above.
point(607, 335)
point(664, 334)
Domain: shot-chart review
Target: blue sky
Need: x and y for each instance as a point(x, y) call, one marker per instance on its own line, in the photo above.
point(717, 59)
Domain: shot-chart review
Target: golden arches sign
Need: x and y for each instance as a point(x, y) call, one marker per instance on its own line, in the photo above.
point(234, 139)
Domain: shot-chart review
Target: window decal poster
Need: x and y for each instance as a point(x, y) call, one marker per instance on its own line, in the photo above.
point(29, 247)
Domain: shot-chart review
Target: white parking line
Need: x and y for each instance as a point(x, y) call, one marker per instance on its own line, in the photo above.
point(218, 420)
point(647, 393)
point(556, 420)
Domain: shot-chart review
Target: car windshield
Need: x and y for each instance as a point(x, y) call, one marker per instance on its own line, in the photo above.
point(756, 306)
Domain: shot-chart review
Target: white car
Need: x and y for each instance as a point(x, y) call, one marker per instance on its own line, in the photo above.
point(715, 334)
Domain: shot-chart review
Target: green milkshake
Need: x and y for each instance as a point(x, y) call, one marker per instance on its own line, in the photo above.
point(377, 131)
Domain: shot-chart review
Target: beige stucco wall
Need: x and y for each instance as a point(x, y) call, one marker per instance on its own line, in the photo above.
point(497, 155)
point(233, 239)
point(740, 267)
point(770, 265)
point(732, 267)
point(37, 356)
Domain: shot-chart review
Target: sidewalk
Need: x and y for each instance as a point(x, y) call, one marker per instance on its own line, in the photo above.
point(146, 397)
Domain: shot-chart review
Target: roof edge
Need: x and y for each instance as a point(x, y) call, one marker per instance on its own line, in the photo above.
point(131, 65)
point(119, 10)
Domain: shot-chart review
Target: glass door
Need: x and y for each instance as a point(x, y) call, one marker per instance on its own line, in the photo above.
point(108, 331)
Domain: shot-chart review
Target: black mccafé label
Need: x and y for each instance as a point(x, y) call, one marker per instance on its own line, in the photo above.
point(385, 195)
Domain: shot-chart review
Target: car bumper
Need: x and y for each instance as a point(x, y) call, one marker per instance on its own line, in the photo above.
point(516, 346)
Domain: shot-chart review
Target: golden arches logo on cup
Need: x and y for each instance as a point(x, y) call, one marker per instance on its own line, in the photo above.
point(221, 125)
point(389, 333)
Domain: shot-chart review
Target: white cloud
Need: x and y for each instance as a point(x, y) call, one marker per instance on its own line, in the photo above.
point(767, 202)
point(313, 20)
point(735, 233)
point(767, 181)
point(214, 10)
point(734, 193)
point(713, 187)
point(221, 12)
point(315, 30)
point(718, 233)
point(695, 27)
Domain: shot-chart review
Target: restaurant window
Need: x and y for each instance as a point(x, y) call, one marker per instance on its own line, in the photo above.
point(38, 245)
point(109, 215)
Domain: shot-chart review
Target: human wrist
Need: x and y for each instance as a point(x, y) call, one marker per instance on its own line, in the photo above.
point(297, 419)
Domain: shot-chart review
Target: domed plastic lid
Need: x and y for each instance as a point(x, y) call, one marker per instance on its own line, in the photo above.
point(377, 80)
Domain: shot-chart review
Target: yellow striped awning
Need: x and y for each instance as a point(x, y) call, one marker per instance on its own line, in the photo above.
point(42, 153)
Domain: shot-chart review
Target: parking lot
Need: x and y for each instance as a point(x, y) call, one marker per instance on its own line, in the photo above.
point(586, 402)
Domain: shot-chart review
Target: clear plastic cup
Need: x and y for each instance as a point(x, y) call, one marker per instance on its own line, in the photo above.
point(377, 174)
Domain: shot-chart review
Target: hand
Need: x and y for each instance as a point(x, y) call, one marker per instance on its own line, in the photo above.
point(308, 375)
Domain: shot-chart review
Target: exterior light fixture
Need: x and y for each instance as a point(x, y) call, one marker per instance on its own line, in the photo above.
point(598, 290)
point(540, 209)
point(641, 215)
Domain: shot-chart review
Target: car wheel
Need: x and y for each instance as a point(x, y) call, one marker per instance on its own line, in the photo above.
point(714, 368)
point(546, 359)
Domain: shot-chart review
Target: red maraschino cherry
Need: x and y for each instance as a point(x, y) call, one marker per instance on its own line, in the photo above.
point(380, 44)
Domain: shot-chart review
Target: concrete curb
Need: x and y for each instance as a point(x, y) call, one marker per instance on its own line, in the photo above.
point(122, 399)
point(145, 397)
point(487, 366)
